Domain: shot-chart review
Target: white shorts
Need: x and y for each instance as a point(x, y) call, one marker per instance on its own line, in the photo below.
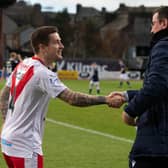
point(94, 83)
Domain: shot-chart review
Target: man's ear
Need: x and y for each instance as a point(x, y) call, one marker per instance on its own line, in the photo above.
point(165, 23)
point(42, 47)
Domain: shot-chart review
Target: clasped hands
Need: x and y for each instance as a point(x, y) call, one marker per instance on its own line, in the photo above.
point(115, 99)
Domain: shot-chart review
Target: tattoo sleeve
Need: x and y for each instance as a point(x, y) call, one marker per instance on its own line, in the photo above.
point(81, 99)
point(4, 96)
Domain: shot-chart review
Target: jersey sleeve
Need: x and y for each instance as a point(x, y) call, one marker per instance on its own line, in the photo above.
point(51, 84)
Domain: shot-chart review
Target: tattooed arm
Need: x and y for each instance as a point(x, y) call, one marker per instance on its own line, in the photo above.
point(4, 96)
point(83, 100)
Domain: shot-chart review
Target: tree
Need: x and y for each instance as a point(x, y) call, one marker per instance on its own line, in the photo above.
point(3, 4)
point(92, 44)
point(62, 21)
point(87, 39)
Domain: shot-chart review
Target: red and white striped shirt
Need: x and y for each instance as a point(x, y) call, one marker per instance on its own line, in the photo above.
point(32, 85)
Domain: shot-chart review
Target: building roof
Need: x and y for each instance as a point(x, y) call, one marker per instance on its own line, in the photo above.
point(88, 12)
point(120, 22)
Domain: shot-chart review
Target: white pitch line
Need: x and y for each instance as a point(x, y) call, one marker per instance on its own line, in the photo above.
point(90, 131)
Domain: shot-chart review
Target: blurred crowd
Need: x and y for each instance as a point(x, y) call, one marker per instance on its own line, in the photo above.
point(10, 64)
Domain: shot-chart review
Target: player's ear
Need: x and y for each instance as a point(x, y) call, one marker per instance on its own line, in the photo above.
point(42, 48)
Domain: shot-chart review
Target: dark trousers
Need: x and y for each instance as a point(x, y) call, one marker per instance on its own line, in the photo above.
point(149, 162)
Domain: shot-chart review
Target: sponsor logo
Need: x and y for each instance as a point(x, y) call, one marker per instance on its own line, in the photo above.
point(133, 163)
point(53, 81)
point(5, 142)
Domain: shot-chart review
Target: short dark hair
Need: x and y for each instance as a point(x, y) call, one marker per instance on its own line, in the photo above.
point(41, 36)
point(162, 12)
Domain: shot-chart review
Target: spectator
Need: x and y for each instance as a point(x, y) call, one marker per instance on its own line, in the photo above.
point(10, 65)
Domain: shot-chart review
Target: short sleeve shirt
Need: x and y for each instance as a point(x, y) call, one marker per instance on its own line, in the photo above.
point(32, 85)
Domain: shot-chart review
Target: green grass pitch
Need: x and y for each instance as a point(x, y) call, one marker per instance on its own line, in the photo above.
point(89, 137)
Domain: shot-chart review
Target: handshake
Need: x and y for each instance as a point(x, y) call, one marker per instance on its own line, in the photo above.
point(116, 99)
